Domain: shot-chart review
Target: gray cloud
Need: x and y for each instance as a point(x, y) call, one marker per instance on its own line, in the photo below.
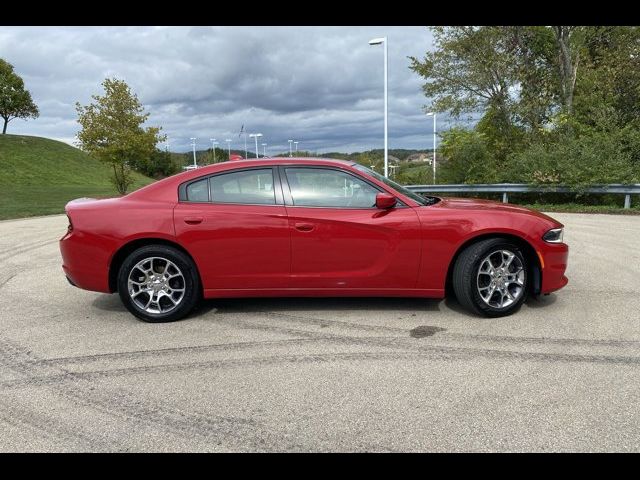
point(319, 85)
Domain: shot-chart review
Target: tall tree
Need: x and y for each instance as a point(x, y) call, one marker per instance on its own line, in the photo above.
point(113, 132)
point(15, 100)
point(471, 69)
point(568, 41)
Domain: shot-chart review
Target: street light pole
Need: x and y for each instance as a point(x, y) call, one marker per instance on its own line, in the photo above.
point(256, 136)
point(296, 144)
point(290, 151)
point(434, 144)
point(228, 140)
point(383, 41)
point(246, 154)
point(264, 150)
point(213, 148)
point(193, 144)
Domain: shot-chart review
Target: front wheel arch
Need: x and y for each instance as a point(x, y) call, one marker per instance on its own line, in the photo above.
point(123, 252)
point(535, 285)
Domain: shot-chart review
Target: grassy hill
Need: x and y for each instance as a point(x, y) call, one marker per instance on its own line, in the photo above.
point(38, 176)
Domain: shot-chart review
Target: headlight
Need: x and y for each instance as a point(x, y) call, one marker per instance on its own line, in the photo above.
point(554, 235)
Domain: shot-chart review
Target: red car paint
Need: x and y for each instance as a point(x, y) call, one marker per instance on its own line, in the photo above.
point(283, 250)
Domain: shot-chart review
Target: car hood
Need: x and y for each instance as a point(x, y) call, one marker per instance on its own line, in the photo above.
point(490, 205)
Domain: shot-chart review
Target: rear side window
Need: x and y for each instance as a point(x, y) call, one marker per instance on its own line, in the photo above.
point(248, 186)
point(198, 191)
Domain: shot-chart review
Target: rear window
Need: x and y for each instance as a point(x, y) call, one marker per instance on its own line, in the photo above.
point(198, 191)
point(247, 186)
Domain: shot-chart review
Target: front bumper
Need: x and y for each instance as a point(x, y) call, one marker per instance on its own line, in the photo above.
point(554, 258)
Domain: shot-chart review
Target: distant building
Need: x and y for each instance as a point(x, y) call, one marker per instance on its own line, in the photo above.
point(421, 157)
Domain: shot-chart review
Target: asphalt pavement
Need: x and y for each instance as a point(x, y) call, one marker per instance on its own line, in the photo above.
point(79, 373)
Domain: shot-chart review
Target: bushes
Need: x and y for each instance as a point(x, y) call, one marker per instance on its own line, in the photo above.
point(468, 158)
point(579, 155)
point(575, 154)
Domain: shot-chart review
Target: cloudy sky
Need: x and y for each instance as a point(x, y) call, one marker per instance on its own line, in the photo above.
point(322, 86)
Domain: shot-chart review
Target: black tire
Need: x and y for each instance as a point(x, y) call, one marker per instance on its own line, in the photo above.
point(465, 277)
point(191, 283)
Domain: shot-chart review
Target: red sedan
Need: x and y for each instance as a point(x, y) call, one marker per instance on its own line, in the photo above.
point(306, 227)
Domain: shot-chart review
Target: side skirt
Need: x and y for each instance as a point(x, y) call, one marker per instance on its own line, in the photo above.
point(323, 292)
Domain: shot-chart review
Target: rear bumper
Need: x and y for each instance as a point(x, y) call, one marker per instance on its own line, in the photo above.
point(84, 265)
point(555, 257)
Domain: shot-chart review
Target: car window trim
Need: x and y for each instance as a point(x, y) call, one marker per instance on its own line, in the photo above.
point(288, 198)
point(277, 187)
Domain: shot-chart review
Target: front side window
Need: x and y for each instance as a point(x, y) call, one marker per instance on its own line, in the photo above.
point(248, 186)
point(321, 187)
point(405, 191)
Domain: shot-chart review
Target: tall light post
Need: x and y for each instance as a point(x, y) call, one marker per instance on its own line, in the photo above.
point(383, 41)
point(264, 150)
point(296, 144)
point(228, 140)
point(434, 144)
point(256, 136)
point(193, 144)
point(213, 148)
point(290, 150)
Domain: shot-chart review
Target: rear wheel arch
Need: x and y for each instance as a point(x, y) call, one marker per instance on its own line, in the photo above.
point(535, 284)
point(123, 252)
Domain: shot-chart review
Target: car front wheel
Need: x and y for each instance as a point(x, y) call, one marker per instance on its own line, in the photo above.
point(158, 283)
point(490, 277)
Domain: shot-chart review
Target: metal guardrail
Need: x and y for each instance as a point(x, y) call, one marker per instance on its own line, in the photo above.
point(506, 188)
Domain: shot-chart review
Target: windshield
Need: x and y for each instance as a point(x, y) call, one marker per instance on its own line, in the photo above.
point(396, 186)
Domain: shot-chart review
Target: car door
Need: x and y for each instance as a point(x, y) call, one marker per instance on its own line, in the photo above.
point(339, 239)
point(235, 226)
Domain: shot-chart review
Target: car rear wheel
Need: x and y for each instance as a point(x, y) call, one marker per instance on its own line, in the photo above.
point(158, 283)
point(490, 277)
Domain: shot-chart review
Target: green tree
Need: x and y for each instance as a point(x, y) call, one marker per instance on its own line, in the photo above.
point(559, 104)
point(112, 131)
point(468, 158)
point(157, 165)
point(471, 69)
point(15, 101)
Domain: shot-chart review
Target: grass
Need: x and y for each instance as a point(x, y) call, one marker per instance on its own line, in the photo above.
point(38, 176)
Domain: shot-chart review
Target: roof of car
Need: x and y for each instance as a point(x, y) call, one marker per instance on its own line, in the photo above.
point(281, 161)
point(168, 184)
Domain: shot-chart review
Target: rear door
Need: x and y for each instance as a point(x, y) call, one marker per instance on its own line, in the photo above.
point(339, 239)
point(235, 226)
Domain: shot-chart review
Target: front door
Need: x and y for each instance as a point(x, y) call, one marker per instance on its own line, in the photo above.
point(339, 239)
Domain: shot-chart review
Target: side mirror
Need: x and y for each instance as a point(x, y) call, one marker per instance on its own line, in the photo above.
point(385, 200)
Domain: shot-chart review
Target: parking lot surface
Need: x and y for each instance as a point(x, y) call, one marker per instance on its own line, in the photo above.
point(79, 373)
